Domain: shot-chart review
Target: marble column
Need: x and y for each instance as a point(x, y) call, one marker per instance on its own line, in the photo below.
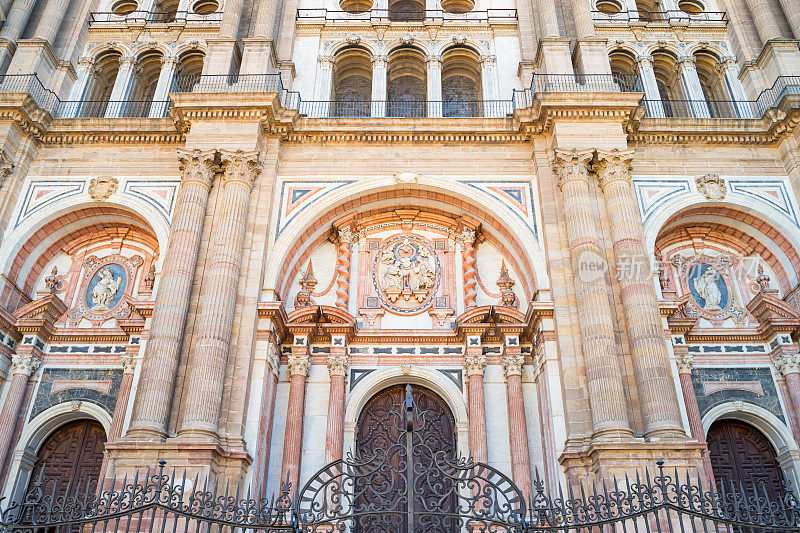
point(50, 21)
point(468, 266)
point(685, 363)
point(337, 368)
point(654, 380)
point(123, 84)
point(692, 87)
point(206, 375)
point(344, 244)
point(789, 367)
point(653, 104)
point(323, 91)
point(380, 75)
point(791, 10)
point(434, 94)
point(162, 351)
point(22, 367)
point(160, 103)
point(261, 463)
point(765, 20)
point(490, 105)
point(13, 27)
point(128, 361)
point(603, 367)
point(474, 365)
point(730, 72)
point(87, 68)
point(518, 427)
point(298, 365)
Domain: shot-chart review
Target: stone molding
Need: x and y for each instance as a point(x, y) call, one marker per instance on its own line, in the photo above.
point(337, 364)
point(24, 364)
point(572, 165)
point(613, 166)
point(197, 166)
point(474, 364)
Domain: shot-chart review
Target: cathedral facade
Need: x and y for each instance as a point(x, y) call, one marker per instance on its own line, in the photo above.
point(233, 231)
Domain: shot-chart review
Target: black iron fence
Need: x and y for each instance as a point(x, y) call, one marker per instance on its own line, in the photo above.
point(330, 15)
point(155, 17)
point(726, 109)
point(110, 109)
point(660, 16)
point(455, 108)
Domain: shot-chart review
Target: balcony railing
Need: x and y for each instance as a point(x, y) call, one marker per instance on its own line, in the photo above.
point(407, 108)
point(156, 17)
point(783, 86)
point(30, 84)
point(389, 15)
point(107, 109)
point(727, 109)
point(236, 83)
point(660, 16)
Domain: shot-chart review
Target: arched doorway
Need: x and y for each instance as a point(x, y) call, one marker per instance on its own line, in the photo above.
point(381, 428)
point(70, 458)
point(741, 454)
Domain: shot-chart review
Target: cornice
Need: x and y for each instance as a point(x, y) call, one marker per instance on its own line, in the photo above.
point(113, 130)
point(24, 112)
point(546, 108)
point(260, 107)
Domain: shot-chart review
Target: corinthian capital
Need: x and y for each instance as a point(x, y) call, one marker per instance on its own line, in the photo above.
point(572, 165)
point(512, 364)
point(337, 365)
point(474, 364)
point(685, 362)
point(613, 166)
point(197, 166)
point(241, 167)
point(298, 365)
point(128, 363)
point(787, 364)
point(24, 364)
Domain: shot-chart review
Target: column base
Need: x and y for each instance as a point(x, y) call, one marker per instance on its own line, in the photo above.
point(604, 460)
point(220, 56)
point(591, 57)
point(258, 56)
point(34, 56)
point(553, 55)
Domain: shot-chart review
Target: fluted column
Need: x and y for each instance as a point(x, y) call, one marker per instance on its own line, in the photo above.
point(123, 83)
point(518, 427)
point(434, 93)
point(789, 368)
point(730, 71)
point(791, 9)
point(380, 75)
point(298, 365)
point(160, 362)
point(474, 365)
point(158, 108)
point(653, 104)
point(86, 76)
point(207, 373)
point(693, 87)
point(467, 240)
point(659, 403)
point(323, 92)
point(764, 19)
point(337, 368)
point(261, 463)
point(603, 368)
point(16, 20)
point(50, 21)
point(22, 366)
point(489, 86)
point(685, 363)
point(343, 263)
point(128, 361)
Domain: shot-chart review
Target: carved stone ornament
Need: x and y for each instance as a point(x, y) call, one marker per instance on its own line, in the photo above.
point(711, 186)
point(103, 187)
point(24, 364)
point(307, 284)
point(337, 365)
point(298, 365)
point(128, 363)
point(685, 362)
point(241, 167)
point(6, 166)
point(787, 364)
point(459, 38)
point(474, 364)
point(506, 284)
point(407, 39)
point(406, 177)
point(572, 165)
point(613, 166)
point(406, 273)
point(197, 166)
point(512, 365)
point(353, 39)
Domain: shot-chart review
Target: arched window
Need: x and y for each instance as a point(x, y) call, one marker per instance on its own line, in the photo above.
point(190, 67)
point(352, 83)
point(624, 70)
point(461, 83)
point(406, 10)
point(107, 67)
point(166, 10)
point(407, 87)
point(145, 82)
point(458, 6)
point(356, 6)
point(670, 86)
point(713, 85)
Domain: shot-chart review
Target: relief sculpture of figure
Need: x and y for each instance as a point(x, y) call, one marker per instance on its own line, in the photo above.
point(706, 287)
point(105, 290)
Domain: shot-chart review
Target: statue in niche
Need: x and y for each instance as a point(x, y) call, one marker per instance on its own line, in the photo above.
point(707, 287)
point(105, 290)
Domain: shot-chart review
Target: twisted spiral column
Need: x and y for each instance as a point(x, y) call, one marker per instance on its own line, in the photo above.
point(207, 373)
point(470, 272)
point(160, 361)
point(343, 268)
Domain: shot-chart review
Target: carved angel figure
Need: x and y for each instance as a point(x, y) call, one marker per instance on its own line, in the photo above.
point(105, 290)
point(706, 287)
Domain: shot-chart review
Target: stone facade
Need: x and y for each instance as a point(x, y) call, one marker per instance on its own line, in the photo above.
point(227, 225)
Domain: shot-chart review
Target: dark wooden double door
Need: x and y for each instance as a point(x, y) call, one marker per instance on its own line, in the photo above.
point(70, 459)
point(742, 455)
point(381, 428)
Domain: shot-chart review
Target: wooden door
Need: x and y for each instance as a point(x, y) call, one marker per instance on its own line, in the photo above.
point(71, 458)
point(741, 454)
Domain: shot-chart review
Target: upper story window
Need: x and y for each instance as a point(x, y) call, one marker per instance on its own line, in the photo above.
point(356, 6)
point(458, 7)
point(205, 7)
point(406, 10)
point(124, 7)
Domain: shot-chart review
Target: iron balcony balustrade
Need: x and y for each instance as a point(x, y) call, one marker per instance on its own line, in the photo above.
point(29, 84)
point(407, 108)
point(109, 109)
point(390, 15)
point(661, 16)
point(154, 17)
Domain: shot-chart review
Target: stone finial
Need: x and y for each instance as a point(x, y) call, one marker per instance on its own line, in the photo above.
point(103, 187)
point(572, 165)
point(474, 364)
point(24, 364)
point(711, 186)
point(298, 365)
point(128, 363)
point(685, 362)
point(307, 284)
point(787, 364)
point(613, 166)
point(150, 278)
point(512, 364)
point(337, 365)
point(241, 167)
point(197, 166)
point(52, 282)
point(506, 284)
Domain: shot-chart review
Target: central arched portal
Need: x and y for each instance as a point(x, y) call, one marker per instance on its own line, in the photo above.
point(381, 429)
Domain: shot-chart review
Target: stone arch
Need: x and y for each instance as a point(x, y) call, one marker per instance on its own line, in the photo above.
point(38, 430)
point(462, 84)
point(407, 82)
point(312, 226)
point(382, 378)
point(185, 47)
point(352, 81)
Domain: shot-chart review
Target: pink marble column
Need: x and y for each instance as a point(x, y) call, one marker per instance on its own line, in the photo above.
point(468, 266)
point(685, 363)
point(160, 361)
point(22, 366)
point(207, 372)
point(128, 361)
point(789, 367)
point(475, 364)
point(334, 436)
point(518, 427)
point(343, 263)
point(658, 400)
point(603, 365)
point(299, 366)
point(261, 463)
